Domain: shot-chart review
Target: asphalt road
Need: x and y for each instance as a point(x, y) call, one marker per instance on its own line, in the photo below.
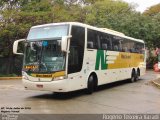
point(121, 97)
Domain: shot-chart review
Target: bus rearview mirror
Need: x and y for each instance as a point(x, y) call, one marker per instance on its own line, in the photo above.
point(15, 46)
point(64, 43)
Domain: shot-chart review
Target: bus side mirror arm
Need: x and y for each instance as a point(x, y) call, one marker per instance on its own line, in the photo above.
point(64, 43)
point(15, 46)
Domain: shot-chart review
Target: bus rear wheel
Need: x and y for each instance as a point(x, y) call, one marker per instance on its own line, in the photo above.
point(91, 84)
point(133, 76)
point(138, 74)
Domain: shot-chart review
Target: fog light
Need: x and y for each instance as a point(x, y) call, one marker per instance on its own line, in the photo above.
point(59, 78)
point(25, 77)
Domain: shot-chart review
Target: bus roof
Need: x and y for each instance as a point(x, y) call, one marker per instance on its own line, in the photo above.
point(105, 30)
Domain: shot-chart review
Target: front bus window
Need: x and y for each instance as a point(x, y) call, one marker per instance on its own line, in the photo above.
point(43, 49)
point(45, 56)
point(76, 54)
point(52, 57)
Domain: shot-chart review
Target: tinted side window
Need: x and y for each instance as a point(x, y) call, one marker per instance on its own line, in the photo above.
point(139, 48)
point(116, 43)
point(127, 46)
point(132, 46)
point(92, 39)
point(105, 42)
point(76, 54)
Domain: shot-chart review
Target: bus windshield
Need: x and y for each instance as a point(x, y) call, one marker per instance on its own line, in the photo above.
point(48, 32)
point(44, 56)
point(43, 49)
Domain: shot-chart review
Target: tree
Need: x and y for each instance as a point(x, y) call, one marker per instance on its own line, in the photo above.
point(104, 14)
point(16, 21)
point(17, 16)
point(153, 13)
point(153, 10)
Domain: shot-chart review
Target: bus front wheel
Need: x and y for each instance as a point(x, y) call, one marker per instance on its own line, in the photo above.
point(90, 86)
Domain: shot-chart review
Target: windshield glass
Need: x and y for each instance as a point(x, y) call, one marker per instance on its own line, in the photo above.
point(47, 32)
point(44, 56)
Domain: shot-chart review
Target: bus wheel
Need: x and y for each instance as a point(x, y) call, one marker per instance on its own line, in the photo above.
point(133, 76)
point(90, 86)
point(138, 74)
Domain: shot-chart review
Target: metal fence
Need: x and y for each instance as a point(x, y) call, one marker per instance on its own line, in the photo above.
point(11, 65)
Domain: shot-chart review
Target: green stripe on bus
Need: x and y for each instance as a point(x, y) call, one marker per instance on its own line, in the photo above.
point(101, 59)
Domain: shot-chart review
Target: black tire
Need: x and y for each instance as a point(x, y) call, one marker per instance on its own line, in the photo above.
point(138, 74)
point(91, 85)
point(133, 76)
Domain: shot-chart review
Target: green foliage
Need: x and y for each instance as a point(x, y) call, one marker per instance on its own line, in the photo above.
point(8, 75)
point(153, 13)
point(43, 5)
point(151, 61)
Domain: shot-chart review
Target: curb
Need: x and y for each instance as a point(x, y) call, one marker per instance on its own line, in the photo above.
point(156, 83)
point(10, 78)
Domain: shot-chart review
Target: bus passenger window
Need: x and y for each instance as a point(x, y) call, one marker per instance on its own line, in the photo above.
point(92, 39)
point(104, 46)
point(128, 46)
point(132, 50)
point(105, 42)
point(90, 45)
point(139, 48)
point(125, 49)
point(116, 48)
point(116, 43)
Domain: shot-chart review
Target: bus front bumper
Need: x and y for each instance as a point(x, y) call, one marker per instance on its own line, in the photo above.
point(54, 86)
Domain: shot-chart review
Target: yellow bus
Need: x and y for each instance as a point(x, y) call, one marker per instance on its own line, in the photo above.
point(69, 56)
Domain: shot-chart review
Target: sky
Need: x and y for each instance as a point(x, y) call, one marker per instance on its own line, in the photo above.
point(142, 5)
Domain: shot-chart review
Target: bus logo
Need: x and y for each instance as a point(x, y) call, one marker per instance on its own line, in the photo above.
point(101, 60)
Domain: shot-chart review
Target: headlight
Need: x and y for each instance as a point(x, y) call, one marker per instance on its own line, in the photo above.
point(25, 77)
point(59, 78)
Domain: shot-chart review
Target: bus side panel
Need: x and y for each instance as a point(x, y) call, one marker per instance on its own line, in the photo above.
point(110, 66)
point(78, 80)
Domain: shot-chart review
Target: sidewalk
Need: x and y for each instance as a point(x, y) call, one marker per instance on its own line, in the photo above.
point(157, 82)
point(10, 78)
